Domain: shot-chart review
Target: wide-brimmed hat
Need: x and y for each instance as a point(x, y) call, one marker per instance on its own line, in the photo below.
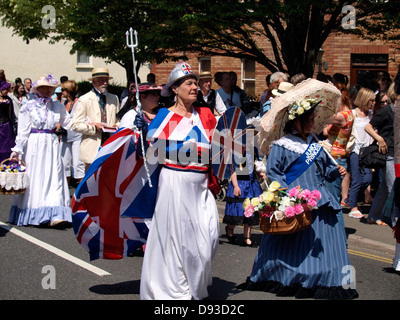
point(282, 88)
point(4, 85)
point(99, 73)
point(322, 96)
point(47, 80)
point(144, 87)
point(205, 75)
point(182, 70)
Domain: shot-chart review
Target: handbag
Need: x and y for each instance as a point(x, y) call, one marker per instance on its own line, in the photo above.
point(352, 138)
point(370, 157)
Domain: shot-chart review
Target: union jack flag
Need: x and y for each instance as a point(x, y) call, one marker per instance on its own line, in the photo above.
point(182, 140)
point(114, 197)
point(186, 69)
point(228, 143)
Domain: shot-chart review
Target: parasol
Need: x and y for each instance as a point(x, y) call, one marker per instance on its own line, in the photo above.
point(274, 121)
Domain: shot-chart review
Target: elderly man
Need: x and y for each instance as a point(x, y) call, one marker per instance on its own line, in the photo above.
point(95, 115)
point(209, 97)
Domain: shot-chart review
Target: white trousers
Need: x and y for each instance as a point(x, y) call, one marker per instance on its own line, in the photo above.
point(70, 158)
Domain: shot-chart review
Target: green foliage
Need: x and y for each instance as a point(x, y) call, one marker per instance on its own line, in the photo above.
point(295, 29)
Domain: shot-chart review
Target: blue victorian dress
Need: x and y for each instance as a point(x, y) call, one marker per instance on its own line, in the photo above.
point(313, 262)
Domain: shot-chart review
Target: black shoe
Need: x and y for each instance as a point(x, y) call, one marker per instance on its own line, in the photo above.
point(252, 244)
point(232, 238)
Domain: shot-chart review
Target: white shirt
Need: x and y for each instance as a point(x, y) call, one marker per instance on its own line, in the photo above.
point(219, 104)
point(226, 98)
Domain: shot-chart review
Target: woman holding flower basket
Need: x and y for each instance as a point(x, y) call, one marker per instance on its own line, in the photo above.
point(312, 262)
point(46, 200)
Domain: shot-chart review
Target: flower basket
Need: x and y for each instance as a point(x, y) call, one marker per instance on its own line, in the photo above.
point(287, 225)
point(282, 212)
point(13, 177)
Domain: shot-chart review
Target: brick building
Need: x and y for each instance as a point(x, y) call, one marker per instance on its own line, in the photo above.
point(347, 54)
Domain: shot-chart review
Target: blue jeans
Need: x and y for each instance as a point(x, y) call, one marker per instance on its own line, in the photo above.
point(385, 187)
point(335, 188)
point(361, 178)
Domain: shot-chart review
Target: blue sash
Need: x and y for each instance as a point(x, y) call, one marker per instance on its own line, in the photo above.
point(298, 167)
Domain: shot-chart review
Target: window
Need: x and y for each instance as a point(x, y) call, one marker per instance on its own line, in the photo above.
point(249, 76)
point(367, 66)
point(204, 64)
point(83, 60)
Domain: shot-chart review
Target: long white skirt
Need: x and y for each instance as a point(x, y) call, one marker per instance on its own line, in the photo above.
point(47, 196)
point(183, 239)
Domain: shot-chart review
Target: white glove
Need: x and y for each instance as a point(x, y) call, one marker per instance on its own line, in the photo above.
point(15, 155)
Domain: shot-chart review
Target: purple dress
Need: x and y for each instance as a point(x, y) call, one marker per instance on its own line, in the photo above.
point(7, 138)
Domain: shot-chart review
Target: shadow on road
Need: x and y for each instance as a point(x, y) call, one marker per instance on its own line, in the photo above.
point(127, 287)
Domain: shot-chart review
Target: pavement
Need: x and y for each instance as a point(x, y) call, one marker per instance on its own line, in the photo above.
point(360, 234)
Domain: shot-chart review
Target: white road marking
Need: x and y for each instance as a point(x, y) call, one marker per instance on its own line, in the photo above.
point(55, 250)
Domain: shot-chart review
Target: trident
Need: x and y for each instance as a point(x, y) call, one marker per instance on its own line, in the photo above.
point(130, 44)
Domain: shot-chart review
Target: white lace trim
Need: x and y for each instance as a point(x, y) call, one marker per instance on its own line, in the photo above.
point(292, 143)
point(15, 181)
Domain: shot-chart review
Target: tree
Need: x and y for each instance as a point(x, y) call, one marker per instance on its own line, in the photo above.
point(96, 27)
point(295, 30)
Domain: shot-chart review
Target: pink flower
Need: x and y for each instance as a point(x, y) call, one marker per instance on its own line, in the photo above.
point(306, 194)
point(249, 211)
point(289, 212)
point(294, 192)
point(312, 202)
point(298, 209)
point(316, 194)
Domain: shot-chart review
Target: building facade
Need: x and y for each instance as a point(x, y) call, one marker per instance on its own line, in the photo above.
point(20, 59)
point(346, 54)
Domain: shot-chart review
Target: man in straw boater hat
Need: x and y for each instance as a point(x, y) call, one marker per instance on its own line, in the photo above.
point(95, 114)
point(209, 97)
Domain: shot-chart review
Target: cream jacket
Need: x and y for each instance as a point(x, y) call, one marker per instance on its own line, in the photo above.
point(88, 110)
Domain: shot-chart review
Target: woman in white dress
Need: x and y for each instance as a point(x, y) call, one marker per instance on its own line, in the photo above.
point(46, 200)
point(184, 233)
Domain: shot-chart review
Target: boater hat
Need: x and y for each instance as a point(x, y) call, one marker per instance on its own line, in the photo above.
point(182, 70)
point(283, 87)
point(205, 75)
point(100, 72)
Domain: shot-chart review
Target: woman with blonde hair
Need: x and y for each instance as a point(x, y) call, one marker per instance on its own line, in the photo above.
point(361, 178)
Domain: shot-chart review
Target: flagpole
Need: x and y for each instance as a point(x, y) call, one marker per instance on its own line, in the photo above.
point(132, 45)
point(326, 151)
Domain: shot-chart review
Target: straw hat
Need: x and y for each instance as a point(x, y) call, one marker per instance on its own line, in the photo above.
point(47, 80)
point(283, 87)
point(100, 72)
point(205, 75)
point(182, 70)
